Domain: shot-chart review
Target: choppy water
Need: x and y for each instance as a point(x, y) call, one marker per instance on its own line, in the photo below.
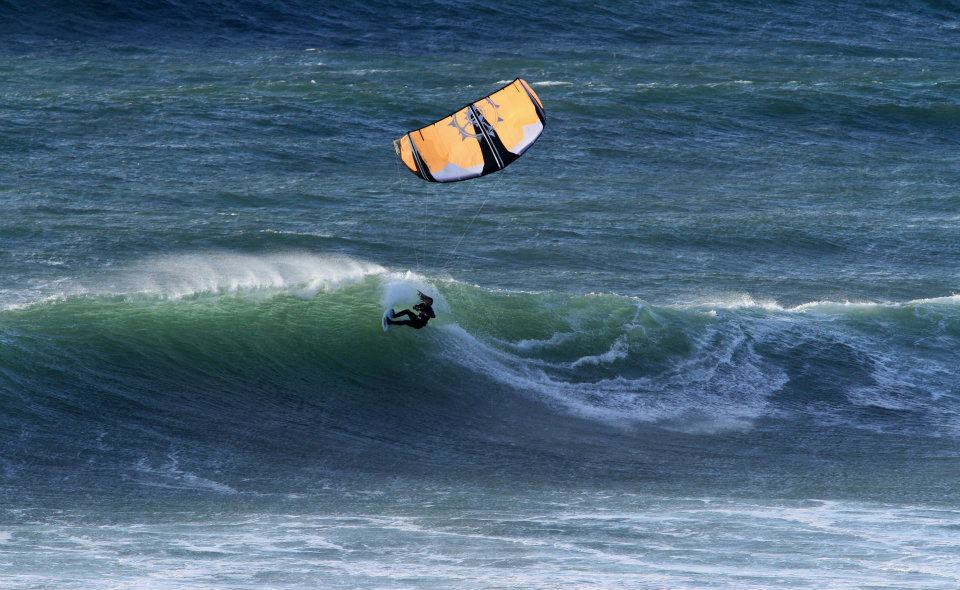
point(704, 334)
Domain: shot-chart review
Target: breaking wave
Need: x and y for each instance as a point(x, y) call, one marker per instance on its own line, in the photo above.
point(147, 364)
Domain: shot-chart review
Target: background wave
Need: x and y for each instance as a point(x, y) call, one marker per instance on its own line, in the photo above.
point(439, 24)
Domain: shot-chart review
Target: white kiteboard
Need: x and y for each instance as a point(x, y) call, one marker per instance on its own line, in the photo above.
point(383, 320)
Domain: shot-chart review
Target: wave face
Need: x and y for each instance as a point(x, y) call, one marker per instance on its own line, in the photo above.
point(231, 374)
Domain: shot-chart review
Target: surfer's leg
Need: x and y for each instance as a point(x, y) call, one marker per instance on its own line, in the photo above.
point(407, 313)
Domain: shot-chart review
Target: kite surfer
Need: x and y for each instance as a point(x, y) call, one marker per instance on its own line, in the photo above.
point(424, 313)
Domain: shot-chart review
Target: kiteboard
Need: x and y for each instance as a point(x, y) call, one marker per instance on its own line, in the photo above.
point(383, 321)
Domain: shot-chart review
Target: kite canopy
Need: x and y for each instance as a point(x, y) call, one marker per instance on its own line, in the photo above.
point(481, 138)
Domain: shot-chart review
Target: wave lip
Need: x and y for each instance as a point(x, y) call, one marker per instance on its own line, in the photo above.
point(215, 273)
point(186, 275)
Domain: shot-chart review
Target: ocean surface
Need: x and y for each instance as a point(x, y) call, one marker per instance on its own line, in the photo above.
point(704, 334)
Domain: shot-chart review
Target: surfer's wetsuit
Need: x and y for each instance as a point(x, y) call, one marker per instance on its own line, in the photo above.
point(417, 320)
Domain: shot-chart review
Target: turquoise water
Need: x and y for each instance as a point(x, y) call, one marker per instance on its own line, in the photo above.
point(703, 334)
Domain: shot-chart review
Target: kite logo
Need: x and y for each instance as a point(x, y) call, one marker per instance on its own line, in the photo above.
point(476, 119)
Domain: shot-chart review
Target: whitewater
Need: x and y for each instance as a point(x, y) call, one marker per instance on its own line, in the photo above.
point(704, 334)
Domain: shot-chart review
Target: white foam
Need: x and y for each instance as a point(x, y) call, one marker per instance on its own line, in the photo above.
point(552, 83)
point(401, 288)
point(588, 541)
point(538, 344)
point(949, 300)
point(301, 274)
point(178, 276)
point(366, 71)
point(698, 85)
point(747, 301)
point(723, 384)
point(735, 301)
point(618, 350)
point(953, 299)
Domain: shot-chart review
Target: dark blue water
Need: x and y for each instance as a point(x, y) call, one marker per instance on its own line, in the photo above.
point(704, 334)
